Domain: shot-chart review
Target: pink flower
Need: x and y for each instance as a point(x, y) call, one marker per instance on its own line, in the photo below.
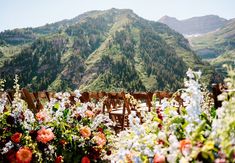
point(24, 155)
point(100, 139)
point(45, 135)
point(220, 160)
point(41, 116)
point(16, 137)
point(85, 132)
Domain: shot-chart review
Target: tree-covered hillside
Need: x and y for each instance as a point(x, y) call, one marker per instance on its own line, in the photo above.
point(108, 50)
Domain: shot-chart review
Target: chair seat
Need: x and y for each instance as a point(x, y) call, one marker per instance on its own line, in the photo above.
point(142, 107)
point(119, 111)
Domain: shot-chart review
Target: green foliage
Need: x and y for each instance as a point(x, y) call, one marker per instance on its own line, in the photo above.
point(17, 36)
point(32, 67)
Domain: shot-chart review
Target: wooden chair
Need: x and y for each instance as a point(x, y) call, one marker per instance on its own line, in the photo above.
point(119, 110)
point(41, 98)
point(179, 101)
point(1, 95)
point(145, 99)
point(10, 96)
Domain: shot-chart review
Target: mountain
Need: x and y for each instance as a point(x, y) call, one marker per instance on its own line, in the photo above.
point(109, 50)
point(195, 25)
point(218, 47)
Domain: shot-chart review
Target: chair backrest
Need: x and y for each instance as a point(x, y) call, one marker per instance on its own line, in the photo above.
point(216, 89)
point(117, 100)
point(177, 97)
point(30, 99)
point(84, 97)
point(41, 97)
point(144, 97)
point(162, 94)
point(10, 96)
point(94, 96)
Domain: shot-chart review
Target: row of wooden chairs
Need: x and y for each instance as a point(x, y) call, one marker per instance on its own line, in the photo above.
point(33, 99)
point(117, 105)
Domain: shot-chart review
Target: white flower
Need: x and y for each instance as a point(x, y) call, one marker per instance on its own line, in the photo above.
point(77, 93)
point(101, 119)
point(7, 147)
point(29, 116)
point(161, 135)
point(3, 101)
point(189, 73)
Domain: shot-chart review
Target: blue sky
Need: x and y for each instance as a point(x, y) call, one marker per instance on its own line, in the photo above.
point(32, 13)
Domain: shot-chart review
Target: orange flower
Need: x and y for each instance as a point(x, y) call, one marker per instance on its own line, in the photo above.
point(100, 139)
point(85, 159)
point(85, 132)
point(89, 113)
point(185, 146)
point(63, 142)
point(16, 137)
point(129, 158)
point(24, 155)
point(184, 143)
point(159, 159)
point(45, 135)
point(59, 159)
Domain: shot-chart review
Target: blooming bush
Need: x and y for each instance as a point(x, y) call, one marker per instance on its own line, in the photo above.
point(62, 131)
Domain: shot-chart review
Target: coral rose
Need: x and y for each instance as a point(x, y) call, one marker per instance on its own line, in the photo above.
point(85, 159)
point(159, 159)
point(100, 139)
point(16, 137)
point(24, 155)
point(85, 132)
point(45, 135)
point(185, 146)
point(89, 113)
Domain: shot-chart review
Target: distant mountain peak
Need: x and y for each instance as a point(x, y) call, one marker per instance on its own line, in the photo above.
point(194, 25)
point(166, 18)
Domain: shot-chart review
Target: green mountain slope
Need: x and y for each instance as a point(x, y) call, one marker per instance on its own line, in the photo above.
point(216, 43)
point(108, 50)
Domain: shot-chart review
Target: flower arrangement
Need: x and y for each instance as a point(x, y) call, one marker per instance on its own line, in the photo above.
point(186, 134)
point(63, 131)
point(70, 131)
